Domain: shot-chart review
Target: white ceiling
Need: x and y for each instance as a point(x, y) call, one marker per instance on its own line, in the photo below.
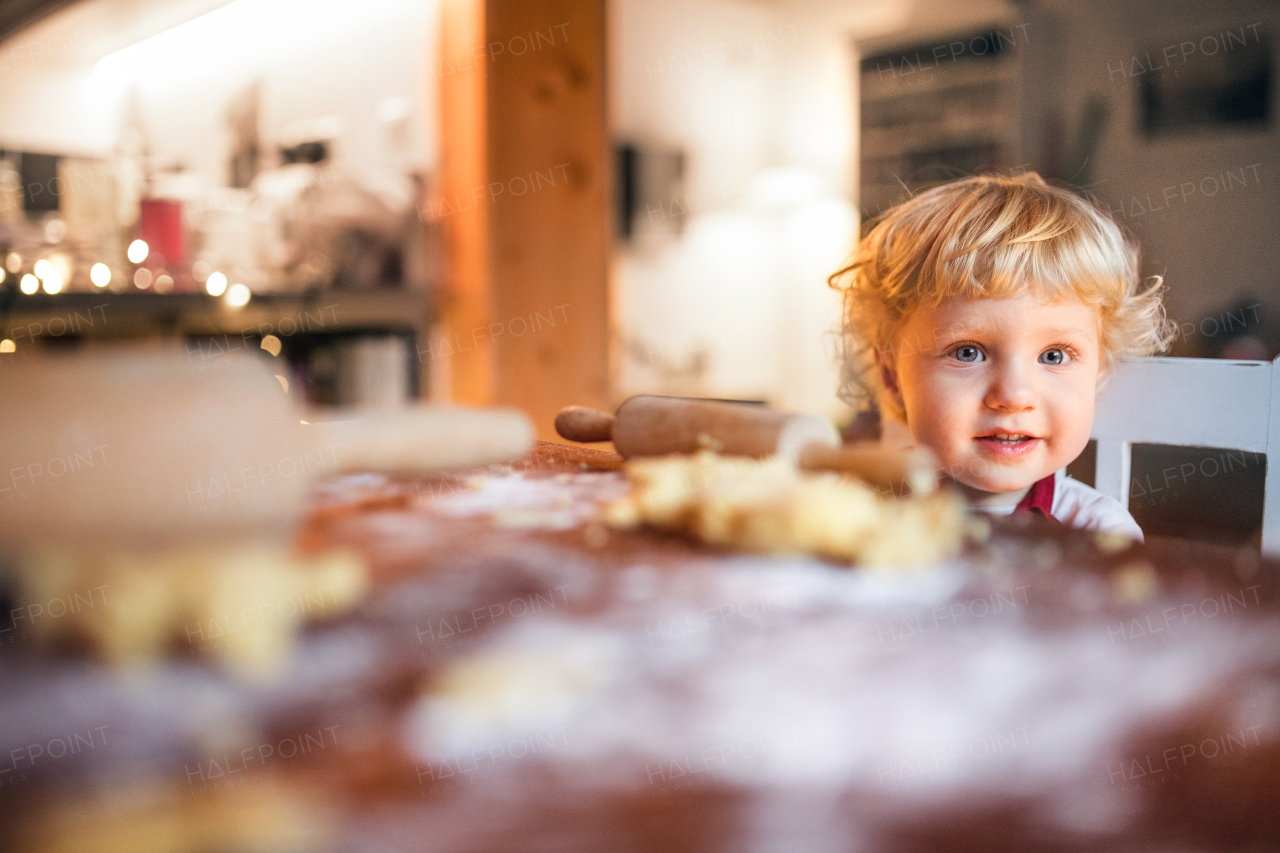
point(95, 28)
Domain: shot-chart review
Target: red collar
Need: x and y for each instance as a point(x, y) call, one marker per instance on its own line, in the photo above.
point(1039, 498)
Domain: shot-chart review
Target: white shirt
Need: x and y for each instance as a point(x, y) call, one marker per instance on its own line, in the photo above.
point(1084, 508)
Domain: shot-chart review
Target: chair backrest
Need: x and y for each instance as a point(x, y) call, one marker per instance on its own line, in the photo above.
point(1199, 402)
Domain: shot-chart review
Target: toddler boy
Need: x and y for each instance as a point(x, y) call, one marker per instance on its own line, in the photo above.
point(983, 315)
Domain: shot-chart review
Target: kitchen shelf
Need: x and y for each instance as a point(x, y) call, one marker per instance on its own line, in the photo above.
point(47, 317)
point(937, 121)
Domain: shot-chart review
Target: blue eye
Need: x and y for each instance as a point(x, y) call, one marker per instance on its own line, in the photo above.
point(1053, 356)
point(968, 353)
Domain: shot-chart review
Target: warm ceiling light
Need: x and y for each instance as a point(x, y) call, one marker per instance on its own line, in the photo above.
point(42, 268)
point(29, 283)
point(271, 344)
point(100, 275)
point(53, 281)
point(215, 284)
point(138, 251)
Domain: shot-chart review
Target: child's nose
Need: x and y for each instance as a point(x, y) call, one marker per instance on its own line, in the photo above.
point(1010, 391)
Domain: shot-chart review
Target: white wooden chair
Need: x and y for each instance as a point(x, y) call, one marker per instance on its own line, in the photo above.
point(1198, 402)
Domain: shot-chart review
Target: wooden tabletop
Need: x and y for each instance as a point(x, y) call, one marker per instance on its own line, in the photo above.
point(520, 676)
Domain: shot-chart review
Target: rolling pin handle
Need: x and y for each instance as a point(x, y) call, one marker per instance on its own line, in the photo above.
point(903, 472)
point(584, 424)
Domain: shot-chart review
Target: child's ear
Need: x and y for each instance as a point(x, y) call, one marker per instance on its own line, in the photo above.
point(889, 376)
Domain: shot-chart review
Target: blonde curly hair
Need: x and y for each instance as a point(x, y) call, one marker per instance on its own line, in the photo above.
point(991, 237)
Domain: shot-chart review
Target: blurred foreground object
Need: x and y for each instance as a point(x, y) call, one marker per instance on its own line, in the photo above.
point(243, 604)
point(136, 449)
point(176, 491)
point(267, 816)
point(425, 438)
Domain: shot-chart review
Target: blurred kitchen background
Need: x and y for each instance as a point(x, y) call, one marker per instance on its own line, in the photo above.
point(543, 202)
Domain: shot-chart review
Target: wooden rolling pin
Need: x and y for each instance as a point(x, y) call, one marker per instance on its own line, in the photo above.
point(138, 447)
point(649, 425)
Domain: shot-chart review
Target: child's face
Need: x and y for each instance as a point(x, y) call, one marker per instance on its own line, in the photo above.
point(1002, 391)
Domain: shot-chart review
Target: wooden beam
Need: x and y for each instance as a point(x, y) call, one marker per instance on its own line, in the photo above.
point(530, 258)
point(465, 369)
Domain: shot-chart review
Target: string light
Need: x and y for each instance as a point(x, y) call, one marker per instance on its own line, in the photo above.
point(29, 284)
point(238, 296)
point(100, 275)
point(138, 251)
point(215, 284)
point(53, 281)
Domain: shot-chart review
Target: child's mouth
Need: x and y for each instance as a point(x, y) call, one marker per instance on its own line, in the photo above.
point(1007, 444)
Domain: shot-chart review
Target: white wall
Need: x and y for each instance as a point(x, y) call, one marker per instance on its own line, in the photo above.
point(761, 99)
